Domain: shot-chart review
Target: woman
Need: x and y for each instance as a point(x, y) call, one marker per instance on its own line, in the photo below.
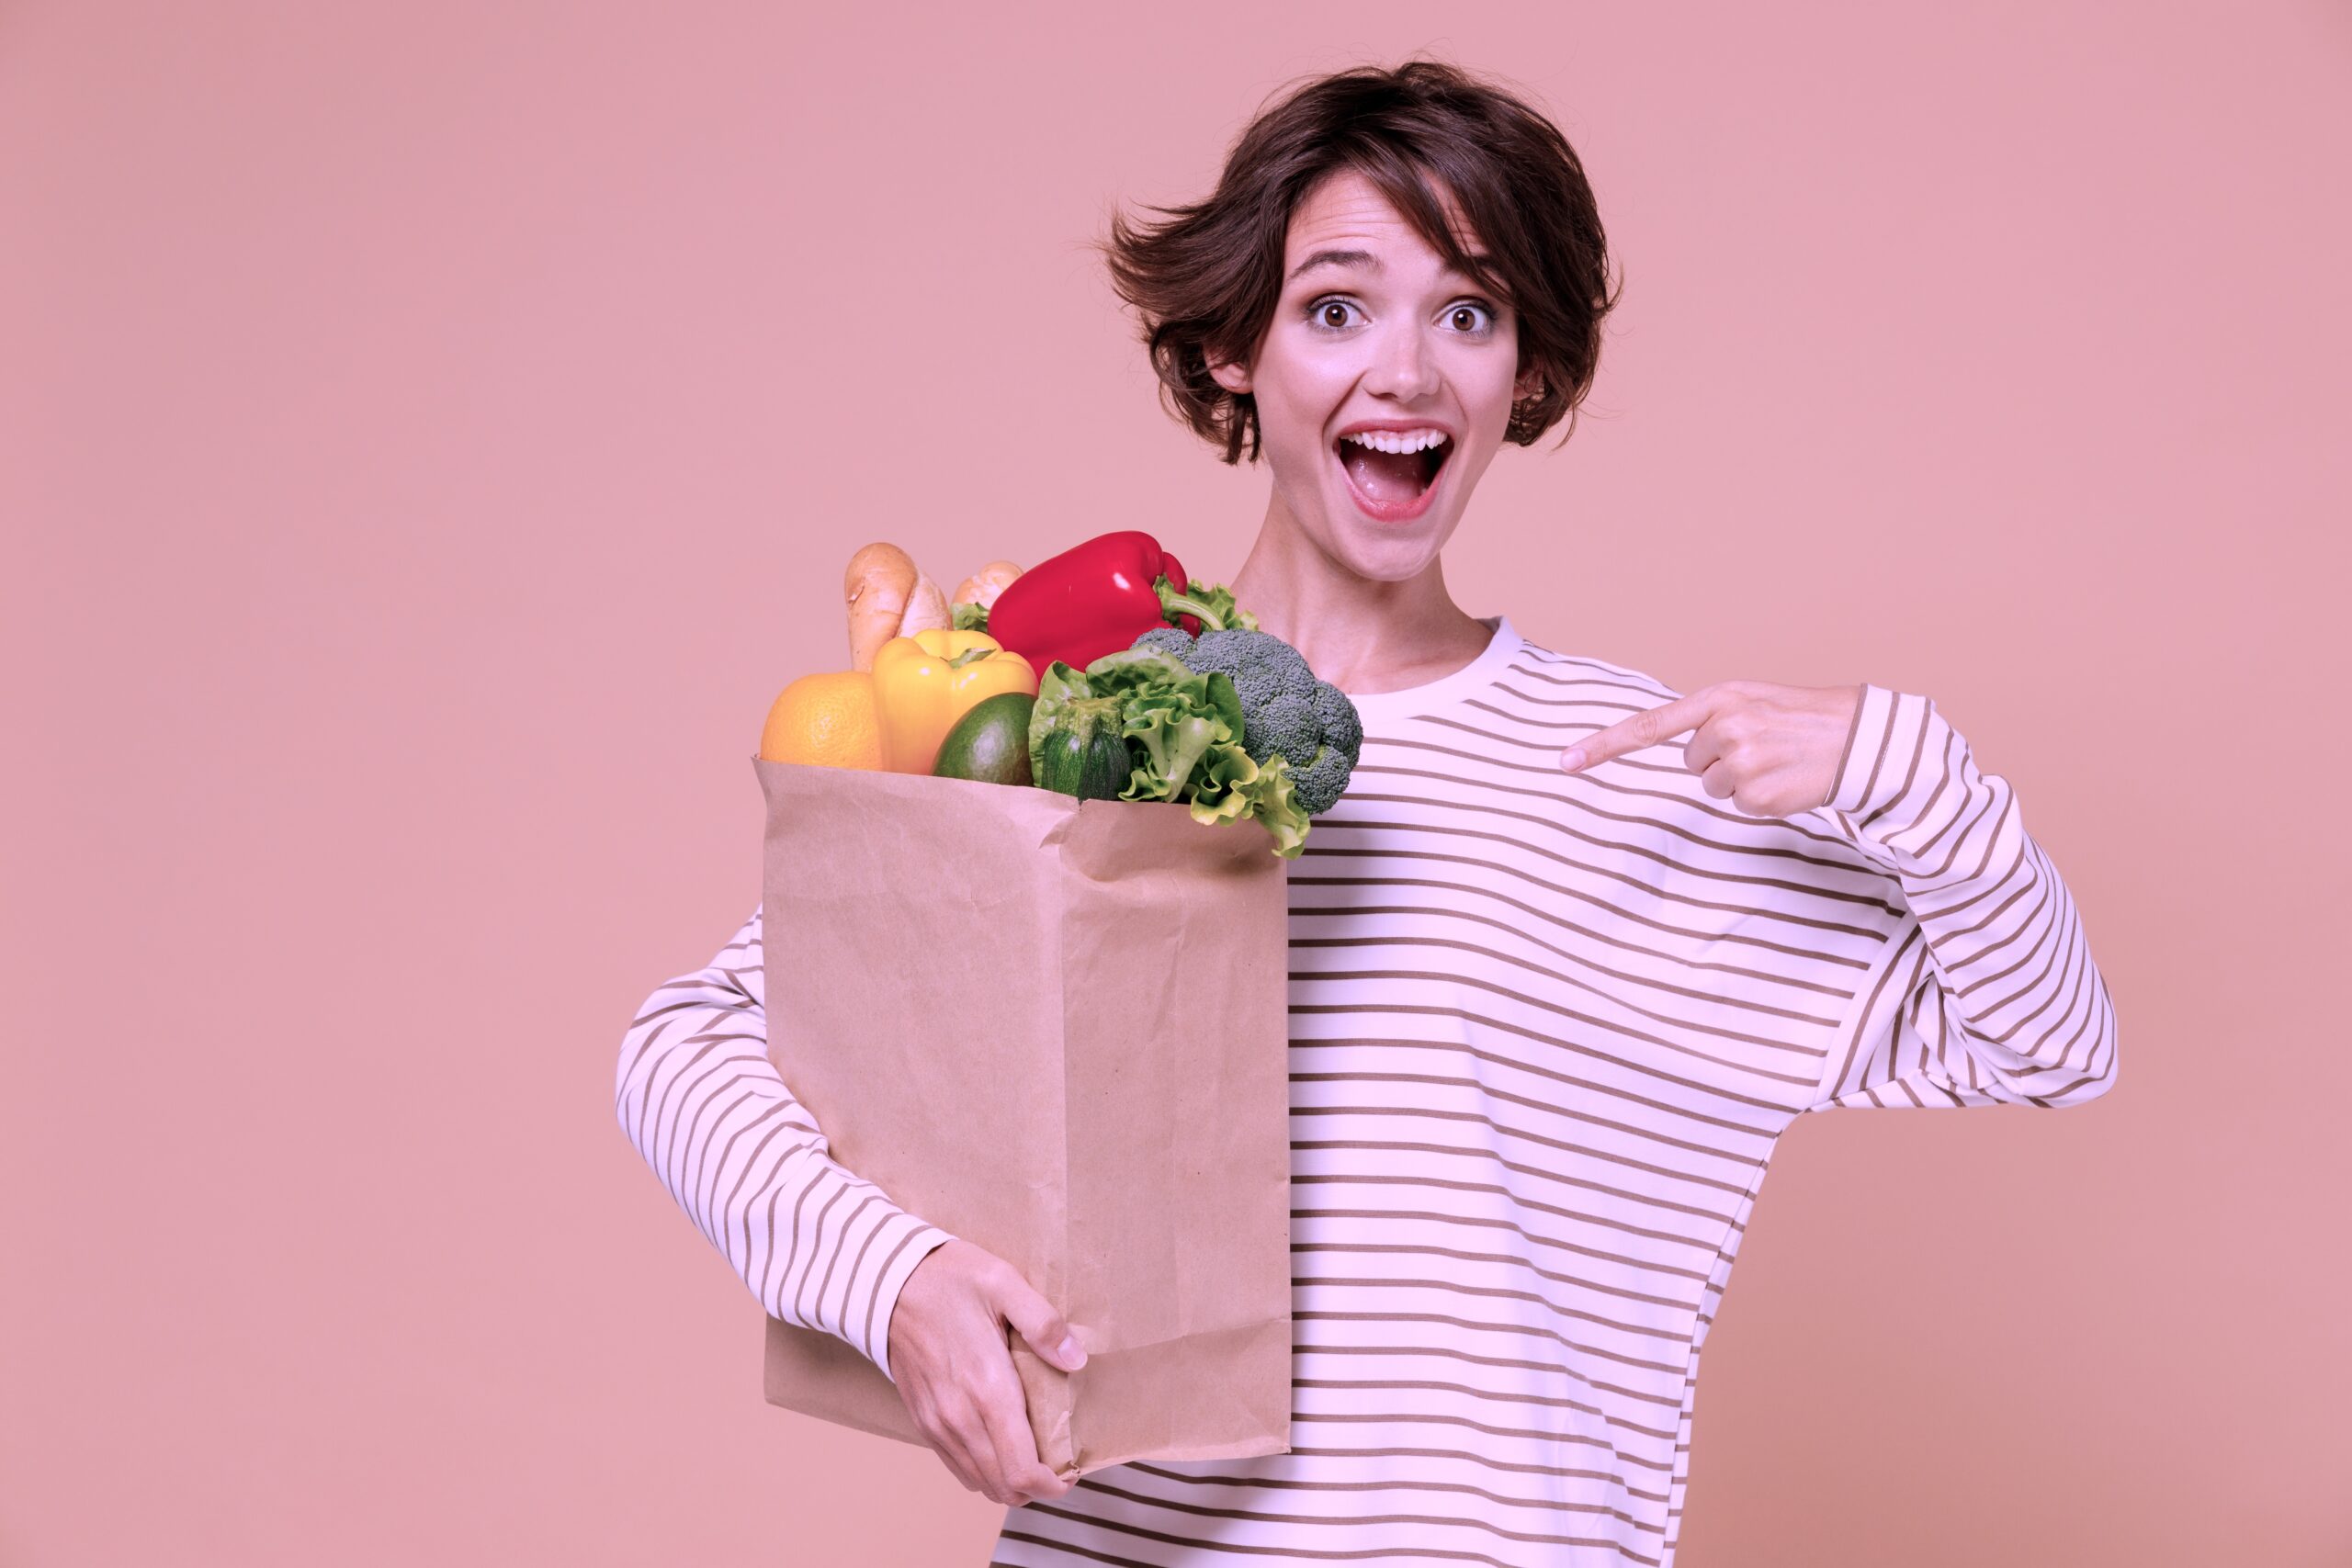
point(1551, 1010)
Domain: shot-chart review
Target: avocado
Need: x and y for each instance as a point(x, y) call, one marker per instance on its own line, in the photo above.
point(991, 742)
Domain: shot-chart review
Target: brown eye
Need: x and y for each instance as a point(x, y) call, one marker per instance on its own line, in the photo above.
point(1329, 309)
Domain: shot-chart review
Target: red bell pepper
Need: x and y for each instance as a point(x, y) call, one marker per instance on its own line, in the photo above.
point(1091, 600)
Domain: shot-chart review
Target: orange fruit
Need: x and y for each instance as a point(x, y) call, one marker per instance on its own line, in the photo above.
point(826, 719)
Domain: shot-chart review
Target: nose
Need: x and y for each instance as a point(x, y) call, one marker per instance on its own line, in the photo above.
point(1402, 366)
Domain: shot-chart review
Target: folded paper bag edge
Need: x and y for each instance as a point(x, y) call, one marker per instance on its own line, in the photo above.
point(1255, 1408)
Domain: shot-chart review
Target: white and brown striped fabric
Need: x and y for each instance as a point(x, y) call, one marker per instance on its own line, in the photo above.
point(1545, 1030)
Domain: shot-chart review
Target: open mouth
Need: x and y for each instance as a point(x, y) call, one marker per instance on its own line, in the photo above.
point(1393, 487)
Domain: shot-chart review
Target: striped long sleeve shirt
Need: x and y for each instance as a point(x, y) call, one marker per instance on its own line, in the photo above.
point(1545, 1030)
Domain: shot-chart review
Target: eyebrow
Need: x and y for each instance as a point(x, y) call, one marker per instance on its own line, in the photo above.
point(1364, 260)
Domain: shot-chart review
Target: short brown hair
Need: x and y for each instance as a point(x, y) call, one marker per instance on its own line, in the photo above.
point(1207, 282)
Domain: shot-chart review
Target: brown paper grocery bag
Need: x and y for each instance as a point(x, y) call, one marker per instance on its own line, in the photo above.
point(1059, 1030)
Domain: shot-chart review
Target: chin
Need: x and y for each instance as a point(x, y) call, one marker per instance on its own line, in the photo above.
point(1384, 555)
point(1388, 552)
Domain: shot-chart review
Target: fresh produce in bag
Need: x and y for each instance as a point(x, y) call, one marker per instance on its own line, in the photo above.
point(826, 719)
point(887, 597)
point(1146, 686)
point(990, 743)
point(977, 594)
point(1077, 740)
point(1091, 600)
point(1288, 715)
point(1184, 731)
point(923, 683)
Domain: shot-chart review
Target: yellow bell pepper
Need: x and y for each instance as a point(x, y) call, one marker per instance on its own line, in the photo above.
point(923, 683)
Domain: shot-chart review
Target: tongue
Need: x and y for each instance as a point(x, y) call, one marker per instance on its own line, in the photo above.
point(1386, 476)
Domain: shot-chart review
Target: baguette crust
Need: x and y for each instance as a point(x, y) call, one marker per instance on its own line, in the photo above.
point(926, 608)
point(880, 580)
point(982, 587)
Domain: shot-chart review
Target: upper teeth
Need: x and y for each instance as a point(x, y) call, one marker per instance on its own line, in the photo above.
point(1394, 440)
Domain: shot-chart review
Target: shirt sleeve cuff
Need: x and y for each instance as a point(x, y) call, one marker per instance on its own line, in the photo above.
point(1891, 735)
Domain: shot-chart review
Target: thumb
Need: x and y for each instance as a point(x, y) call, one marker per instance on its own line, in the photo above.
point(1034, 1319)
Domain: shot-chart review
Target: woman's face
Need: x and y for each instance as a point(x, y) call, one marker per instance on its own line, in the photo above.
point(1382, 333)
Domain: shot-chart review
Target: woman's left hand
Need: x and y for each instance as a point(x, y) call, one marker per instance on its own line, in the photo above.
point(1770, 751)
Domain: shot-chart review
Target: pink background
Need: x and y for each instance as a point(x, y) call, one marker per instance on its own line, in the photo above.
point(430, 434)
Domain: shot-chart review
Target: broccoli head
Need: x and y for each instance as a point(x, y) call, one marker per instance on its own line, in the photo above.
point(1285, 710)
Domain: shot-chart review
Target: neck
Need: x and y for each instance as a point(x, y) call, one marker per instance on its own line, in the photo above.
point(1359, 633)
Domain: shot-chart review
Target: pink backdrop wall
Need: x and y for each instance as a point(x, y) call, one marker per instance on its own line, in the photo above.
point(430, 434)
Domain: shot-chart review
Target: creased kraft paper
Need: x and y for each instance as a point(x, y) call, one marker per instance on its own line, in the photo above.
point(1057, 1030)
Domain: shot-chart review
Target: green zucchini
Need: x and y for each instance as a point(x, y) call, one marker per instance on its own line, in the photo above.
point(1087, 760)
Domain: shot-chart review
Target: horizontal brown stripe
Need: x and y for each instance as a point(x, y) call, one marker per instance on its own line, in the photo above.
point(1841, 853)
point(1383, 1010)
point(1483, 1460)
point(1617, 1418)
point(1479, 1118)
point(1480, 1221)
point(1763, 1041)
point(1618, 684)
point(1434, 1385)
point(1606, 712)
point(1502, 1259)
point(1532, 1330)
point(1585, 726)
point(1500, 1292)
point(1293, 1484)
point(1327, 849)
point(1550, 918)
point(1370, 1179)
point(1449, 1521)
point(1439, 912)
point(1540, 1437)
point(1761, 1136)
point(1867, 891)
point(1204, 1544)
point(1475, 1152)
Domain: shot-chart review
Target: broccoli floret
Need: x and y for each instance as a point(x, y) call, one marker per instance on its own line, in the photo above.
point(1342, 726)
point(1285, 710)
point(1174, 641)
point(1324, 779)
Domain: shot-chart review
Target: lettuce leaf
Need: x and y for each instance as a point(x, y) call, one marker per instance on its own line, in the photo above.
point(1183, 733)
point(1176, 726)
point(1230, 786)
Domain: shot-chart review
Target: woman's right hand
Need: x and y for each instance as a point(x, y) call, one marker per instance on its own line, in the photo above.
point(954, 1371)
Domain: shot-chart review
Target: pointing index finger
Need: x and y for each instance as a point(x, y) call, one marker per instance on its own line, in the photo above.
point(1632, 733)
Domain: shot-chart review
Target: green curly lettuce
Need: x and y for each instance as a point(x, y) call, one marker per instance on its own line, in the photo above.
point(1183, 730)
point(1168, 715)
point(1232, 785)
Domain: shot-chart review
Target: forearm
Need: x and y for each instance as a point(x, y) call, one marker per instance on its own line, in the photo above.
point(816, 1245)
point(1994, 996)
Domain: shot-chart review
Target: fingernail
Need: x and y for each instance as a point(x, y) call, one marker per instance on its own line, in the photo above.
point(1070, 1353)
point(1572, 759)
